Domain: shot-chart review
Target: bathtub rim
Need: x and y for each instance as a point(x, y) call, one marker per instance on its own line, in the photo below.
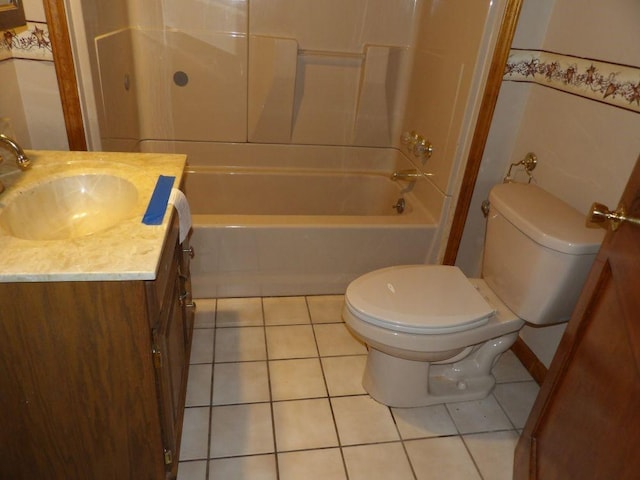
point(416, 214)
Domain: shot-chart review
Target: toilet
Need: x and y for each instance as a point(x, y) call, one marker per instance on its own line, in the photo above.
point(433, 335)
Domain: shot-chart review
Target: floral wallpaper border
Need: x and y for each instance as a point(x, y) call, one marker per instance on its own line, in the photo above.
point(610, 83)
point(31, 43)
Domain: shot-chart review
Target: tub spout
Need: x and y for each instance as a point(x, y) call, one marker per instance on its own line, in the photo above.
point(410, 175)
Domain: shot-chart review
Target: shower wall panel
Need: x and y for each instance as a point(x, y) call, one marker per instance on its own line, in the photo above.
point(191, 88)
point(277, 71)
point(339, 67)
point(116, 69)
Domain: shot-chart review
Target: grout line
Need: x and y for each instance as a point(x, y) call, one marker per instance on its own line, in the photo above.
point(473, 459)
point(213, 359)
point(404, 447)
point(273, 418)
point(326, 386)
point(504, 411)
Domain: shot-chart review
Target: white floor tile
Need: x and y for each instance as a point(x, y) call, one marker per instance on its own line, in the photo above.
point(243, 344)
point(493, 453)
point(195, 470)
point(344, 374)
point(285, 311)
point(424, 422)
point(295, 341)
point(363, 420)
point(199, 385)
point(296, 379)
point(306, 338)
point(517, 400)
point(202, 345)
point(195, 433)
point(241, 430)
point(377, 462)
point(442, 458)
point(509, 369)
point(205, 316)
point(245, 382)
point(325, 464)
point(479, 416)
point(257, 467)
point(304, 424)
point(326, 308)
point(239, 312)
point(335, 339)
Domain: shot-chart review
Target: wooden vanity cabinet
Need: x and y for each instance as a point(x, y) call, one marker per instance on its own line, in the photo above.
point(93, 375)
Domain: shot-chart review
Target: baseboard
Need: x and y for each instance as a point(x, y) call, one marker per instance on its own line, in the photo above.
point(530, 361)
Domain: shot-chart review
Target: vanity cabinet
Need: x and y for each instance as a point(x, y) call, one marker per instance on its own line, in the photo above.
point(93, 374)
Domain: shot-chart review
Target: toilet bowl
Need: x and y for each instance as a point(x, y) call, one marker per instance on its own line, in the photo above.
point(433, 335)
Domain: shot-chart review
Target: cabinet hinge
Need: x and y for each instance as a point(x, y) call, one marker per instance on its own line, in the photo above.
point(157, 356)
point(168, 457)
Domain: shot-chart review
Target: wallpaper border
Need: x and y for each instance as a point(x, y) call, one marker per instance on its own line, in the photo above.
point(610, 83)
point(30, 43)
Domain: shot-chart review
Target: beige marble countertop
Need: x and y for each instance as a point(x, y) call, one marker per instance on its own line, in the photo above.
point(129, 250)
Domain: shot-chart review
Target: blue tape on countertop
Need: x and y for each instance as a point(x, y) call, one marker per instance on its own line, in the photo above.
point(159, 199)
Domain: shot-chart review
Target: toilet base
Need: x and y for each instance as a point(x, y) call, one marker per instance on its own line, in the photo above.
point(398, 382)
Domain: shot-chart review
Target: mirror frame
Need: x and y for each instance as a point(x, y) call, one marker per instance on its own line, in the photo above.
point(12, 15)
point(68, 85)
point(65, 72)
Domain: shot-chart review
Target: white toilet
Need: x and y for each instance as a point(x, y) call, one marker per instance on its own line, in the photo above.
point(434, 335)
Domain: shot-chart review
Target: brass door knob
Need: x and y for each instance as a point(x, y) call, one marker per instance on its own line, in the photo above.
point(600, 215)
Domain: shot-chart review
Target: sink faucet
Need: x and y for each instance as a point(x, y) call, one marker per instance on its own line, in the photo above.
point(21, 159)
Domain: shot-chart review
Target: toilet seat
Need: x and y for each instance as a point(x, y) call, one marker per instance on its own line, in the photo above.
point(420, 299)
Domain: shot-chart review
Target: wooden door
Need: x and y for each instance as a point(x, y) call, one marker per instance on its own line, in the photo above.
point(585, 423)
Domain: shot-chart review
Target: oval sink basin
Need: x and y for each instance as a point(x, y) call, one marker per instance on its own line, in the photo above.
point(69, 207)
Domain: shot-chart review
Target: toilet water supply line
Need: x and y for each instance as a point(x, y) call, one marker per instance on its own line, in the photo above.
point(529, 163)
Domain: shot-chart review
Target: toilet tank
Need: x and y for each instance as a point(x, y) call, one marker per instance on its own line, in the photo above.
point(537, 253)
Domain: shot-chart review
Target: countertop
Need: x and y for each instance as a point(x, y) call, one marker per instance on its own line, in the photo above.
point(129, 250)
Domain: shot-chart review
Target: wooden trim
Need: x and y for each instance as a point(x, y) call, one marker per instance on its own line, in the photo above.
point(65, 72)
point(533, 365)
point(489, 100)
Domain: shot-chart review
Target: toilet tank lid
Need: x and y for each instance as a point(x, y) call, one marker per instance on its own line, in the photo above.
point(545, 218)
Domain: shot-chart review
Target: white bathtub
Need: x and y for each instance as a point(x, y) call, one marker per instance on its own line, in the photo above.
point(284, 231)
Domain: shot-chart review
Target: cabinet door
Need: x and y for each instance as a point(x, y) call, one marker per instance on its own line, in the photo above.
point(171, 364)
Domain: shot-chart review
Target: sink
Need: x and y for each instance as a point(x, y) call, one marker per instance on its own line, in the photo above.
point(68, 207)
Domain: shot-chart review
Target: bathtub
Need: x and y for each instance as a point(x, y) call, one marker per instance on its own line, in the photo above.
point(294, 231)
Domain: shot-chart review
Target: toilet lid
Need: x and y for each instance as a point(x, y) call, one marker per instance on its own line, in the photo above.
point(423, 299)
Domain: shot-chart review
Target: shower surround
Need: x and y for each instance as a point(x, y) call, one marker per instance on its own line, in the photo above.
point(297, 74)
point(263, 71)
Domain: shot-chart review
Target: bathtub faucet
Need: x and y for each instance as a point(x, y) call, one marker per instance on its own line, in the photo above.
point(410, 175)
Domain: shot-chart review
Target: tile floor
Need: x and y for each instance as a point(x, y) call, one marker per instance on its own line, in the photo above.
point(274, 393)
